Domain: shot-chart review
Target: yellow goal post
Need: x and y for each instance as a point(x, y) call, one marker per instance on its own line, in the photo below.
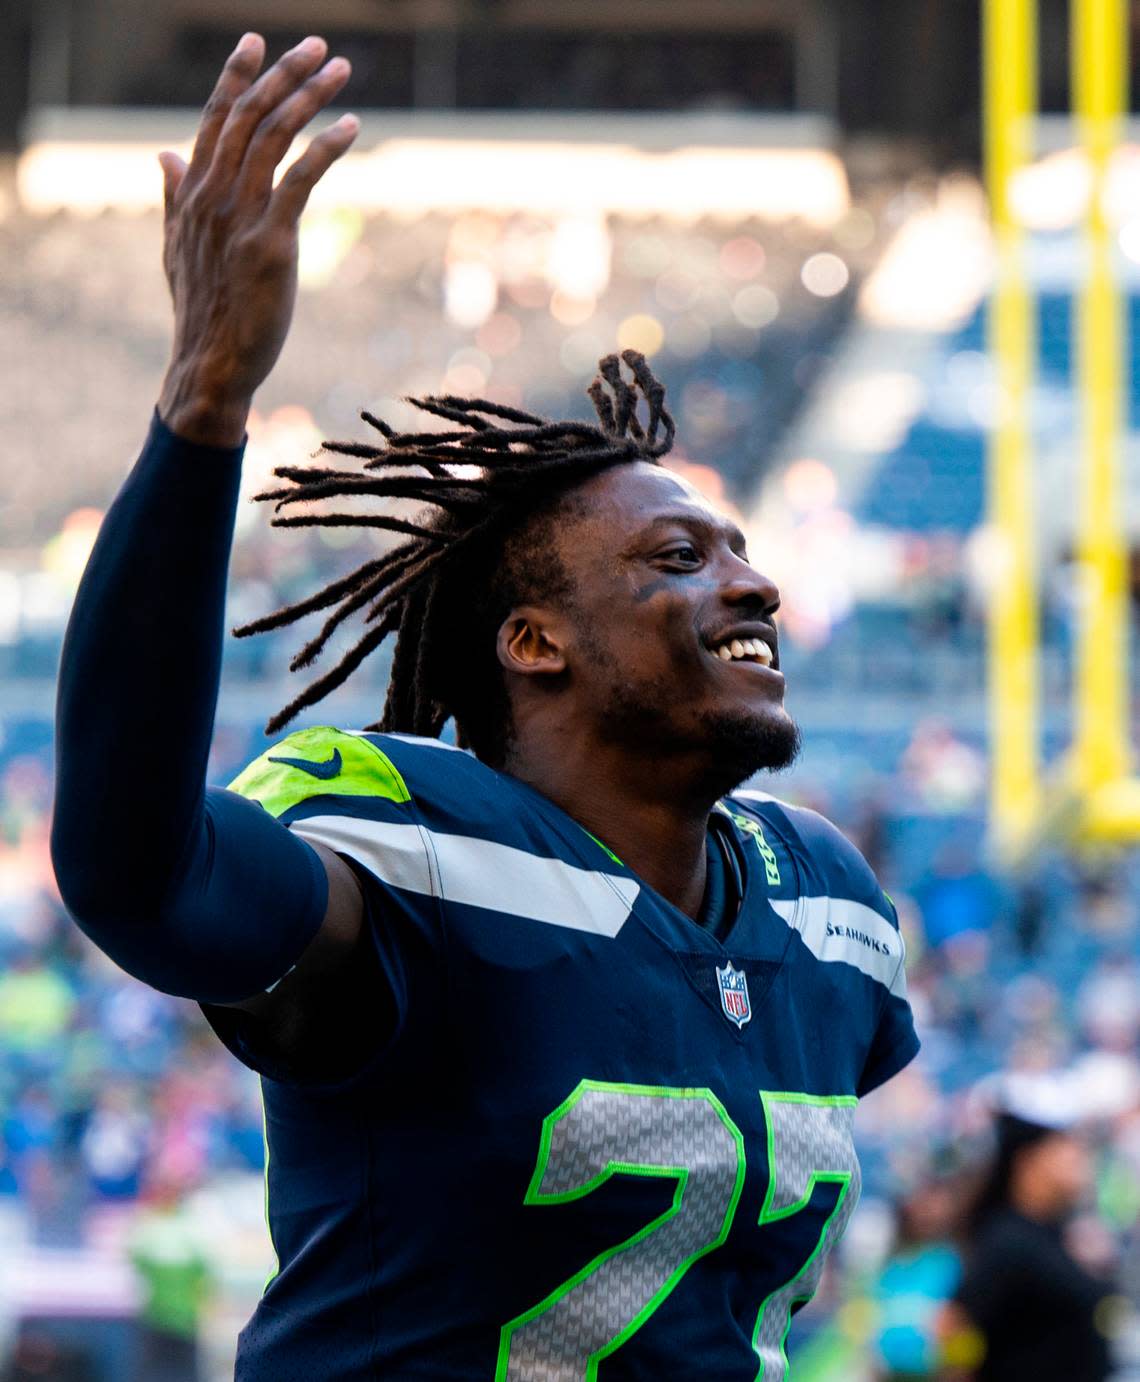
point(1092, 796)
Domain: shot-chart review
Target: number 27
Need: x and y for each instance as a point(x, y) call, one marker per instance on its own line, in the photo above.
point(686, 1135)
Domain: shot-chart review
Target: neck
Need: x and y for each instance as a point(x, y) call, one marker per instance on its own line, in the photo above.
point(652, 813)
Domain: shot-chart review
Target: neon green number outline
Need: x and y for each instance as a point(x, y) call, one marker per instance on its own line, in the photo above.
point(768, 1215)
point(536, 1196)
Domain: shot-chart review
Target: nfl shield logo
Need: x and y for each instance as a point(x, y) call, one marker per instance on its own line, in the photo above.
point(734, 994)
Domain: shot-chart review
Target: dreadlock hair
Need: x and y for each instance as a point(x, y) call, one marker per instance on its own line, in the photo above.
point(481, 543)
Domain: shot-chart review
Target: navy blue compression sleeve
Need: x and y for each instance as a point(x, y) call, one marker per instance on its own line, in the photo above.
point(196, 891)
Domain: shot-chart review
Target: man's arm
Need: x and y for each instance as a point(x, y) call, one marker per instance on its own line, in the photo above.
point(192, 889)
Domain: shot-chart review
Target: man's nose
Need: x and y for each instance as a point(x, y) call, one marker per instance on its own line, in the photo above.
point(745, 585)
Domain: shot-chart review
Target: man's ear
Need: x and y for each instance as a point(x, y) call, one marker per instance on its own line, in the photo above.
point(531, 642)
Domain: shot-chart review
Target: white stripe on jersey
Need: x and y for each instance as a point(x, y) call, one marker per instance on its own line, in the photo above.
point(479, 873)
point(835, 928)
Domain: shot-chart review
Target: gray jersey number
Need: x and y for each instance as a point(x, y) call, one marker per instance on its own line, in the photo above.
point(809, 1144)
point(686, 1134)
point(636, 1130)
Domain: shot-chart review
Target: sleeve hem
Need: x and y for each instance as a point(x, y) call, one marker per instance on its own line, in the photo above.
point(895, 1061)
point(164, 441)
point(233, 1029)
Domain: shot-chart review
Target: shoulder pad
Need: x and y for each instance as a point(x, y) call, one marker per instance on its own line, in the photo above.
point(319, 762)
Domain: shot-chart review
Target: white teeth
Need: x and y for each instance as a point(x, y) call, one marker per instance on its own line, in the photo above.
point(739, 648)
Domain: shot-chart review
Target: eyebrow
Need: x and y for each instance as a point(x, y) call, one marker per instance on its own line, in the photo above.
point(682, 518)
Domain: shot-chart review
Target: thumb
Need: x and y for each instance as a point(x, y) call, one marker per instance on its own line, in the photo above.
point(173, 171)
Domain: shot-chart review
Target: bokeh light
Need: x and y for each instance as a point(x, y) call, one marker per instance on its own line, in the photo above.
point(825, 275)
point(742, 257)
point(641, 332)
point(755, 306)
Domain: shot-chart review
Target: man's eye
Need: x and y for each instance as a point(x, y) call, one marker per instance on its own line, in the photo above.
point(683, 552)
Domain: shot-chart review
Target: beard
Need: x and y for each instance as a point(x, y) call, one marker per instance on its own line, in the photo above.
point(733, 744)
point(754, 743)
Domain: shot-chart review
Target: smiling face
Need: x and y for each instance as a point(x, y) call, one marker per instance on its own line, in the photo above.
point(666, 644)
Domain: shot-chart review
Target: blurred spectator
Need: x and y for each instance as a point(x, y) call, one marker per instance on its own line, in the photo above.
point(36, 1005)
point(918, 1279)
point(31, 1138)
point(1108, 1003)
point(944, 773)
point(956, 896)
point(114, 1143)
point(1107, 904)
point(1027, 1310)
point(870, 832)
point(171, 1262)
point(1030, 910)
point(39, 1356)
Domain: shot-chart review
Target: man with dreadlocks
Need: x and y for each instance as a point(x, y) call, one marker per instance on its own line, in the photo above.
point(560, 1036)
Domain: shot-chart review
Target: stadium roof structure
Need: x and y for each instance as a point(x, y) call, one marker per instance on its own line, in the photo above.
point(717, 164)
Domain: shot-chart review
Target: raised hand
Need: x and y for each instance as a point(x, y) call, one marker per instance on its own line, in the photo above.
point(230, 236)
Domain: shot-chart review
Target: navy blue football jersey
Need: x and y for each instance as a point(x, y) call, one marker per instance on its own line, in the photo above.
point(598, 1142)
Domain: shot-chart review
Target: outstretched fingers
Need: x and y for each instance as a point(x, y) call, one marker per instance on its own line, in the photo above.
point(261, 100)
point(276, 132)
point(292, 192)
point(237, 76)
point(231, 262)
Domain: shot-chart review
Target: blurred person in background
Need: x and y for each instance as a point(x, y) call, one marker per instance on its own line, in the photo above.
point(174, 1272)
point(113, 1143)
point(921, 1274)
point(1036, 1301)
point(31, 1134)
point(957, 896)
point(36, 1005)
point(40, 1357)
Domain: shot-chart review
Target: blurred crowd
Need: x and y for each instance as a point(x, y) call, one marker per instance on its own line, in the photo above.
point(518, 307)
point(739, 318)
point(106, 1086)
point(743, 321)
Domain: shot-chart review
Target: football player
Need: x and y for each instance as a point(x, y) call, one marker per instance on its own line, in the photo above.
point(560, 1036)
